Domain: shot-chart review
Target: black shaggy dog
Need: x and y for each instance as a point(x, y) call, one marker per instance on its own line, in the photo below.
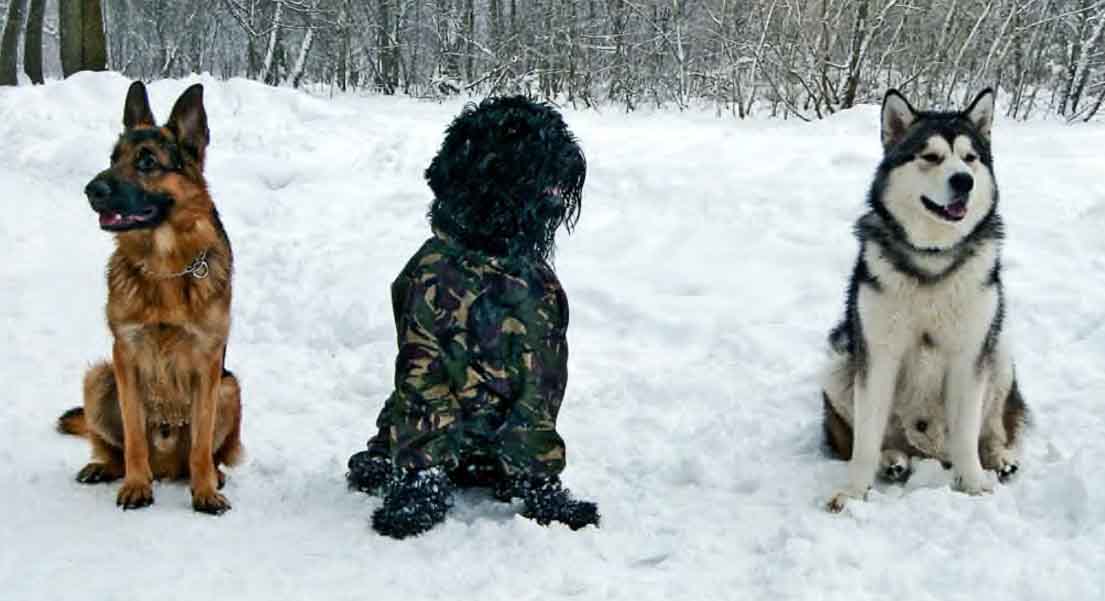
point(508, 175)
point(481, 322)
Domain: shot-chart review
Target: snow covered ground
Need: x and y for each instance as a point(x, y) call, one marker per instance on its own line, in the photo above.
point(706, 271)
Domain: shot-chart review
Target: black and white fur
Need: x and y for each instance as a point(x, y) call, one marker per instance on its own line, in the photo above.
point(920, 367)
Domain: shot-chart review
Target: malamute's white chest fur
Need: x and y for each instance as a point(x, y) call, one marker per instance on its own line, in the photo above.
point(929, 327)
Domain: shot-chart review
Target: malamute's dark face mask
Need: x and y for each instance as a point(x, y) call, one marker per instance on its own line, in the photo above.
point(508, 175)
point(936, 179)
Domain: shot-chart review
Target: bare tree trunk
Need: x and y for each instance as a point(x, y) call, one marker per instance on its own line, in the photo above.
point(1081, 73)
point(266, 74)
point(82, 40)
point(9, 46)
point(32, 42)
point(305, 46)
point(855, 63)
point(469, 40)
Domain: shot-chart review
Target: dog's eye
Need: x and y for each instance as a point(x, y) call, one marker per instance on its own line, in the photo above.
point(933, 158)
point(146, 163)
point(970, 158)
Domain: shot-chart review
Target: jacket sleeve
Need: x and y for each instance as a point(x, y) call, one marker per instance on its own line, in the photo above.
point(429, 367)
point(530, 443)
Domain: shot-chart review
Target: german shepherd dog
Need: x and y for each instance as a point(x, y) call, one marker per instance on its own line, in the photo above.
point(165, 406)
point(920, 367)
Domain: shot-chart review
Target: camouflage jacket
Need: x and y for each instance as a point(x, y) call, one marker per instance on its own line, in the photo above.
point(482, 363)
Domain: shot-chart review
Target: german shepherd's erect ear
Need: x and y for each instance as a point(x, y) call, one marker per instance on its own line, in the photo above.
point(897, 116)
point(136, 111)
point(188, 122)
point(981, 112)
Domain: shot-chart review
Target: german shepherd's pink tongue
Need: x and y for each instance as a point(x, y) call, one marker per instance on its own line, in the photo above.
point(115, 219)
point(109, 219)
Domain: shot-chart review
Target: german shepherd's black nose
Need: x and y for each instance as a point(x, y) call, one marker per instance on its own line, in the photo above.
point(98, 192)
point(962, 183)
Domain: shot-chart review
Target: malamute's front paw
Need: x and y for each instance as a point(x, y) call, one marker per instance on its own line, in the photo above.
point(1007, 471)
point(973, 483)
point(894, 466)
point(840, 499)
point(1001, 461)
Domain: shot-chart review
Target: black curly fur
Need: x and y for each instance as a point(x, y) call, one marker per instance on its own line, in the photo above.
point(507, 176)
point(369, 472)
point(547, 501)
point(416, 501)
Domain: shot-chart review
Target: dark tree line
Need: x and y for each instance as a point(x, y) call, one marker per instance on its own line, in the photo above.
point(793, 58)
point(78, 27)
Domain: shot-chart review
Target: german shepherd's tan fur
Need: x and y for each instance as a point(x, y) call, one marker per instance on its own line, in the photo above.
point(164, 406)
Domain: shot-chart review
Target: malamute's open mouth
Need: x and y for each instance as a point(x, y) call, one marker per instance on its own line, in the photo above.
point(955, 211)
point(115, 221)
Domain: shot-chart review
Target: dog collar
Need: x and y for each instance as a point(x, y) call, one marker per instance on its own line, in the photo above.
point(199, 269)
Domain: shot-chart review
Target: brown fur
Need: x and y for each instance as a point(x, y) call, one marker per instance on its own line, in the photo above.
point(838, 434)
point(164, 406)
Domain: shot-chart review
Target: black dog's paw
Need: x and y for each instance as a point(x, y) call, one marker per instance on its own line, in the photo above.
point(416, 502)
point(368, 473)
point(505, 491)
point(547, 501)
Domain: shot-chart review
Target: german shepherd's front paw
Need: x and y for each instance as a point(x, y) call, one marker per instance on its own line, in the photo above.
point(135, 495)
point(96, 473)
point(211, 502)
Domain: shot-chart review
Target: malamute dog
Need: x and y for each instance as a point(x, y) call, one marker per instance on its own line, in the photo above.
point(920, 367)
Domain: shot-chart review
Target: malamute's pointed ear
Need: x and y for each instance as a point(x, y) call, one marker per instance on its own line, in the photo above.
point(136, 110)
point(981, 112)
point(189, 122)
point(897, 116)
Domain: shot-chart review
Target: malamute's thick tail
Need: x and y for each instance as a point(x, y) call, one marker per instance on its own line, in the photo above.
point(73, 422)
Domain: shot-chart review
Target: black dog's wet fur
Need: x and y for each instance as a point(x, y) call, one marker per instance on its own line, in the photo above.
point(369, 473)
point(507, 176)
point(547, 501)
point(415, 502)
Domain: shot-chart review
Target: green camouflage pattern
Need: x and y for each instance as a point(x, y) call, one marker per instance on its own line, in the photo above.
point(482, 363)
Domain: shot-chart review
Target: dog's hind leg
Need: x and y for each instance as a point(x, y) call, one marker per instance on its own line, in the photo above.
point(838, 432)
point(228, 426)
point(893, 464)
point(999, 445)
point(102, 424)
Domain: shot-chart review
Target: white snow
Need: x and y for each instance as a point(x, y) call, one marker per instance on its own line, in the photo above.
point(707, 269)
